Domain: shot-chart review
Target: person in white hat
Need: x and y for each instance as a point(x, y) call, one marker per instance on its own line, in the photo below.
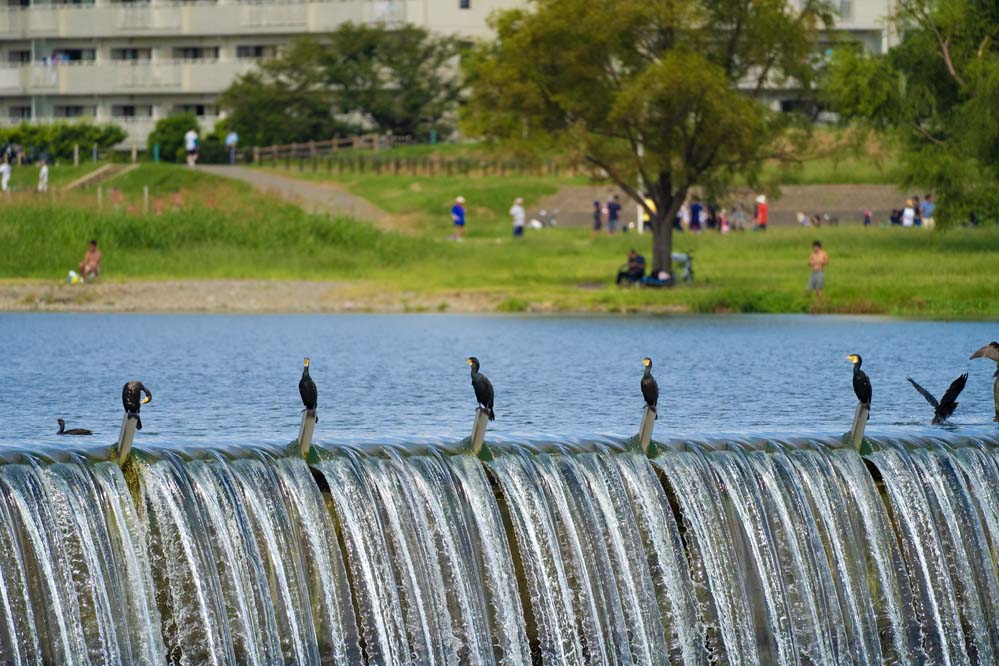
point(762, 213)
point(458, 217)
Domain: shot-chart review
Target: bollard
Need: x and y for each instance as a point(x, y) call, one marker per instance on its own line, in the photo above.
point(76, 154)
point(856, 433)
point(478, 438)
point(156, 153)
point(100, 197)
point(135, 153)
point(124, 446)
point(305, 432)
point(645, 432)
point(95, 152)
point(145, 200)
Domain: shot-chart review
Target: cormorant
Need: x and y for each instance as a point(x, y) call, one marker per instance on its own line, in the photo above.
point(483, 388)
point(307, 389)
point(991, 352)
point(650, 389)
point(942, 410)
point(130, 399)
point(861, 383)
point(71, 431)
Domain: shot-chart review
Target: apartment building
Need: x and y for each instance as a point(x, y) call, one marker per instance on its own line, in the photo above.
point(134, 61)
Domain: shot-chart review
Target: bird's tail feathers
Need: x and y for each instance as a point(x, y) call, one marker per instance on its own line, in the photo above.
point(492, 414)
point(138, 422)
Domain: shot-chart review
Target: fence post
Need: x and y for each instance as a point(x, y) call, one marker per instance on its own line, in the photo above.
point(100, 197)
point(256, 155)
point(145, 200)
point(76, 154)
point(135, 153)
point(95, 152)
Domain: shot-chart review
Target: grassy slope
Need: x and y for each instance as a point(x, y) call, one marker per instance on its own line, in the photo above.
point(25, 178)
point(226, 230)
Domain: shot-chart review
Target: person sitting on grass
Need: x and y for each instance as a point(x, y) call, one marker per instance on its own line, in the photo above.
point(634, 271)
point(90, 267)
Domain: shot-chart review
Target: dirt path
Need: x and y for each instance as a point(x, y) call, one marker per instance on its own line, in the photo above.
point(313, 197)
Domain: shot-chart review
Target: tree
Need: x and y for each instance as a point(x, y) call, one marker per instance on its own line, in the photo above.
point(661, 91)
point(936, 94)
point(169, 134)
point(402, 80)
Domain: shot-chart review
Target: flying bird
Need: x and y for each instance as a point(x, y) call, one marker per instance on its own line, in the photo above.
point(861, 382)
point(307, 389)
point(131, 393)
point(71, 431)
point(483, 388)
point(991, 352)
point(945, 408)
point(650, 389)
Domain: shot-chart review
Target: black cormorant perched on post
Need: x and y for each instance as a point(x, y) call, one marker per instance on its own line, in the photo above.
point(861, 383)
point(942, 410)
point(130, 399)
point(991, 352)
point(71, 431)
point(483, 388)
point(650, 389)
point(307, 389)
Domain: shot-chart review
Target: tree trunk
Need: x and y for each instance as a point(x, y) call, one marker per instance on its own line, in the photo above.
point(667, 207)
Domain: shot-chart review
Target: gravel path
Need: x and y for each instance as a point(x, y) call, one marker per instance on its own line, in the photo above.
point(313, 197)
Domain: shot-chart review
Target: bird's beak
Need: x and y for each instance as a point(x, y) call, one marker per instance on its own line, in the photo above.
point(146, 399)
point(851, 358)
point(469, 361)
point(306, 363)
point(645, 362)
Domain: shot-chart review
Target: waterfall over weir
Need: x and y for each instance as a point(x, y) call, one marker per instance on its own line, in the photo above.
point(714, 552)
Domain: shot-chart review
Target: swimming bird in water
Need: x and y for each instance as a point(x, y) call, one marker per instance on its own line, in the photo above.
point(991, 352)
point(861, 382)
point(483, 388)
point(942, 410)
point(307, 389)
point(130, 400)
point(71, 431)
point(650, 389)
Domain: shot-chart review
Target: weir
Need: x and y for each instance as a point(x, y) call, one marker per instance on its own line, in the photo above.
point(740, 550)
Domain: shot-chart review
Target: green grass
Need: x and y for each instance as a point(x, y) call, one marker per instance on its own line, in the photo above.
point(225, 230)
point(25, 178)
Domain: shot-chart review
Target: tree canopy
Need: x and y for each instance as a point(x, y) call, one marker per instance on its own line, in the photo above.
point(936, 92)
point(665, 92)
point(399, 79)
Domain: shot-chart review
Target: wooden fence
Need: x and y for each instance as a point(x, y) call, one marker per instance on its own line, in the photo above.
point(274, 154)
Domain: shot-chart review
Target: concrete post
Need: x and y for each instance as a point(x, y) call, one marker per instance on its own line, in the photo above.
point(100, 197)
point(95, 152)
point(145, 200)
point(305, 432)
point(135, 153)
point(479, 431)
point(125, 436)
point(76, 154)
point(645, 430)
point(860, 417)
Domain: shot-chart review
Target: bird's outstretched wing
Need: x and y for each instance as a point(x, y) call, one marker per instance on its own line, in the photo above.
point(926, 394)
point(989, 351)
point(956, 386)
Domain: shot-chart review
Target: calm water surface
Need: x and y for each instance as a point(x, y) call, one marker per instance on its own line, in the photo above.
point(227, 380)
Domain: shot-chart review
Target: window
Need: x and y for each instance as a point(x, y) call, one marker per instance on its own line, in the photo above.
point(19, 57)
point(19, 113)
point(130, 54)
point(126, 111)
point(196, 53)
point(846, 9)
point(73, 111)
point(200, 110)
point(464, 4)
point(248, 51)
point(74, 55)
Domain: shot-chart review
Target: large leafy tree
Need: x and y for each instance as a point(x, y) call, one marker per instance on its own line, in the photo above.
point(662, 92)
point(399, 79)
point(936, 92)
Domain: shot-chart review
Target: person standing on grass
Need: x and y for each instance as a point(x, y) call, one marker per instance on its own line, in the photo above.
point(762, 213)
point(231, 141)
point(818, 260)
point(517, 214)
point(909, 214)
point(43, 176)
point(191, 146)
point(5, 172)
point(867, 217)
point(695, 215)
point(928, 208)
point(613, 214)
point(458, 217)
point(598, 218)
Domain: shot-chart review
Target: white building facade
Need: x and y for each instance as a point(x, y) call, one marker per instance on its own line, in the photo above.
point(134, 62)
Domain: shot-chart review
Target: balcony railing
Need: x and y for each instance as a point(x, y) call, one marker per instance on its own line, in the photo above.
point(122, 77)
point(192, 19)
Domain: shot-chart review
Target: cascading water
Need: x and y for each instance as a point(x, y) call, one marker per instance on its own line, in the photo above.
point(711, 553)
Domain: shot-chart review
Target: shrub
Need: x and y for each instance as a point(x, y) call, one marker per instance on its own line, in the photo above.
point(58, 139)
point(169, 134)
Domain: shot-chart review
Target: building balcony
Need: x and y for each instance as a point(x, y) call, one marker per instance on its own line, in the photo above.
point(122, 77)
point(167, 19)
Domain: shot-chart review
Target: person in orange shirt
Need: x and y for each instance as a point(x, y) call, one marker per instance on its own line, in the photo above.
point(762, 213)
point(818, 260)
